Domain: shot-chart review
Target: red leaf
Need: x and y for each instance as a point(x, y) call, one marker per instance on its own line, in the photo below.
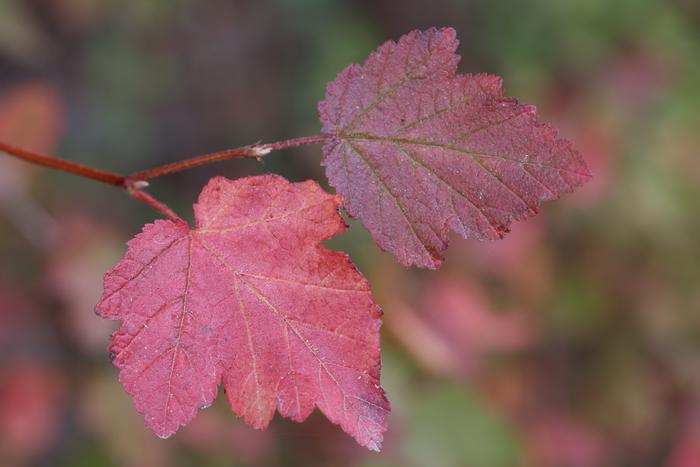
point(31, 405)
point(249, 297)
point(453, 329)
point(417, 151)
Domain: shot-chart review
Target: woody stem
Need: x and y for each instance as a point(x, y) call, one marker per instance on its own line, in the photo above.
point(252, 152)
point(63, 165)
point(135, 182)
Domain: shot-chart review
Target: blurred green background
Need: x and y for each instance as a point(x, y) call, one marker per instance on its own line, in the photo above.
point(575, 342)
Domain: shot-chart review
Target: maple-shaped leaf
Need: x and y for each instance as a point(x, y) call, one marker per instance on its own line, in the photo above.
point(417, 150)
point(250, 298)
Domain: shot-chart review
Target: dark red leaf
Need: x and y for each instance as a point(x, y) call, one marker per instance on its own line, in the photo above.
point(417, 151)
point(251, 299)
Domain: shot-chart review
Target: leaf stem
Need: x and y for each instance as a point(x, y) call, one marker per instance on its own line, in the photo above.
point(135, 182)
point(251, 152)
point(294, 142)
point(135, 191)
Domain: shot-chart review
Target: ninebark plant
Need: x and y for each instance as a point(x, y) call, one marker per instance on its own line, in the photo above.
point(249, 298)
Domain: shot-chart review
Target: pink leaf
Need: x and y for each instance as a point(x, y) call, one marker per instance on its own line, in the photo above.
point(454, 328)
point(32, 399)
point(417, 150)
point(251, 299)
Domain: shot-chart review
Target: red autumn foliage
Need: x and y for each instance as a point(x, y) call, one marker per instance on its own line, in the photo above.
point(455, 327)
point(250, 298)
point(30, 407)
point(417, 150)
